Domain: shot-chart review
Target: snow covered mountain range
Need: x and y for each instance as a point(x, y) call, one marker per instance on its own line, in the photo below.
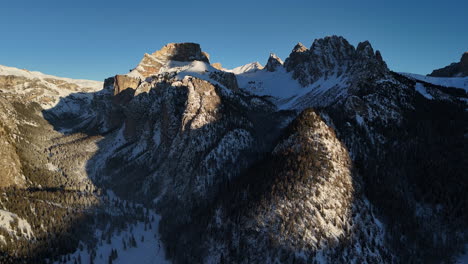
point(325, 157)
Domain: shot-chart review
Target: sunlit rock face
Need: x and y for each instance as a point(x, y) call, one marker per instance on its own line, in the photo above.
point(322, 182)
point(172, 59)
point(10, 163)
point(217, 65)
point(273, 63)
point(182, 52)
point(123, 82)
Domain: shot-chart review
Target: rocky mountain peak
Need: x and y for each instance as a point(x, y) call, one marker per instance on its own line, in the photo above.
point(273, 63)
point(182, 52)
point(365, 48)
point(152, 64)
point(336, 46)
point(123, 82)
point(299, 55)
point(365, 51)
point(300, 48)
point(217, 66)
point(334, 56)
point(456, 69)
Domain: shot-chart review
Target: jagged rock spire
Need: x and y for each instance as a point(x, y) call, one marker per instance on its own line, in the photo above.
point(299, 48)
point(152, 63)
point(333, 55)
point(365, 48)
point(273, 63)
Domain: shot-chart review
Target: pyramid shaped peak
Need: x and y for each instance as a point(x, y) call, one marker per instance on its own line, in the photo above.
point(274, 56)
point(273, 63)
point(299, 48)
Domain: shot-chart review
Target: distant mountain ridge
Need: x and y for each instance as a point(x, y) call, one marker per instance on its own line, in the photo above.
point(456, 69)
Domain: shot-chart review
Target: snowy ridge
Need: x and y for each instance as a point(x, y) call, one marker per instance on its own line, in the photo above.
point(457, 82)
point(197, 69)
point(250, 67)
point(5, 70)
point(44, 89)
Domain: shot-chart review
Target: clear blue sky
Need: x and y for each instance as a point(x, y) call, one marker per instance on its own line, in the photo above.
point(96, 39)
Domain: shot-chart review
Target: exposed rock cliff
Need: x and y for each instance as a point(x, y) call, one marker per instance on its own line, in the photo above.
point(124, 82)
point(273, 63)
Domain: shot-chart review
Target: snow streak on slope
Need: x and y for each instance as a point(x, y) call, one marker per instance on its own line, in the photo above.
point(457, 82)
point(277, 84)
point(197, 69)
point(250, 67)
point(289, 94)
point(422, 90)
point(182, 69)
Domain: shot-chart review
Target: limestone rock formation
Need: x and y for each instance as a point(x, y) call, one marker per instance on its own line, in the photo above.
point(273, 63)
point(334, 56)
point(10, 163)
point(182, 52)
point(168, 62)
point(217, 65)
point(299, 55)
point(124, 82)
